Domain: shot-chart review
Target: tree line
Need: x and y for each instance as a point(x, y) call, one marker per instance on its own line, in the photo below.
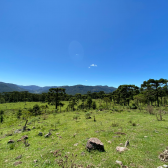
point(151, 91)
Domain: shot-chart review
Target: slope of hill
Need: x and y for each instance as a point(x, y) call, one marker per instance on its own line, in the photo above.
point(8, 87)
point(79, 89)
point(84, 89)
point(31, 87)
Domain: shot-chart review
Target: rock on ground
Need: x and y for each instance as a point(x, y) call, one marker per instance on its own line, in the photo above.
point(11, 141)
point(94, 143)
point(164, 156)
point(17, 163)
point(121, 149)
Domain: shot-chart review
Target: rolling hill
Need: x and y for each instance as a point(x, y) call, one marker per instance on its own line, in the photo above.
point(83, 89)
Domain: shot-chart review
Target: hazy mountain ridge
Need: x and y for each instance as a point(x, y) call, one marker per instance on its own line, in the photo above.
point(83, 89)
point(9, 87)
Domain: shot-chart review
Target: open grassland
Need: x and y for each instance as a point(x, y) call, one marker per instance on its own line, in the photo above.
point(147, 136)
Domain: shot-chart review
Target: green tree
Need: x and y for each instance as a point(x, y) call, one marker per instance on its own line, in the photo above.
point(107, 100)
point(83, 100)
point(154, 85)
point(72, 103)
point(89, 102)
point(94, 106)
point(125, 93)
point(61, 105)
point(2, 100)
point(54, 95)
point(1, 116)
point(101, 94)
point(78, 97)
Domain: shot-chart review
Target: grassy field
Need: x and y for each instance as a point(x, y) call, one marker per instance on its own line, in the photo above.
point(147, 136)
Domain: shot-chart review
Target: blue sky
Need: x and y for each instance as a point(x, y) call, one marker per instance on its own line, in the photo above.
point(89, 42)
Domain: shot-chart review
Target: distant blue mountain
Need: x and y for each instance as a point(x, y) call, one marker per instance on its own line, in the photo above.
point(83, 89)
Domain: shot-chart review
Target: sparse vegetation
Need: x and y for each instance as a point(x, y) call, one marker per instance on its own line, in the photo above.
point(119, 116)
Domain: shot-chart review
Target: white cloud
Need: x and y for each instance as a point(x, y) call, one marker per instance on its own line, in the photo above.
point(94, 65)
point(86, 80)
point(88, 67)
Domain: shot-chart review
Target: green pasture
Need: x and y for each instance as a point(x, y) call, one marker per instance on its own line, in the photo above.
point(148, 137)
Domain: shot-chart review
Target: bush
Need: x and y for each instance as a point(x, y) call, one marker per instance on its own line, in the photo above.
point(150, 109)
point(19, 113)
point(36, 110)
point(12, 146)
point(87, 115)
point(75, 117)
point(94, 105)
point(114, 124)
point(1, 118)
point(1, 112)
point(133, 106)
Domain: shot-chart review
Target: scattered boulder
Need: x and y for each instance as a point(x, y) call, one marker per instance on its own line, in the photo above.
point(11, 141)
point(35, 161)
point(94, 143)
point(28, 129)
point(121, 149)
point(40, 134)
point(19, 140)
point(119, 162)
point(164, 156)
point(47, 135)
point(18, 157)
point(18, 131)
point(109, 142)
point(24, 137)
point(126, 143)
point(164, 166)
point(26, 143)
point(17, 163)
point(9, 134)
point(33, 127)
point(76, 144)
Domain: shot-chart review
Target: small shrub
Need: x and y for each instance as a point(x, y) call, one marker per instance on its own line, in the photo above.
point(87, 115)
point(1, 118)
point(94, 105)
point(133, 106)
point(58, 121)
point(75, 117)
point(150, 109)
point(130, 121)
point(44, 116)
point(160, 113)
point(36, 110)
point(19, 113)
point(12, 146)
point(114, 124)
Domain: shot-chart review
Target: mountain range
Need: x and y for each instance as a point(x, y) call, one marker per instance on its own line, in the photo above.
point(83, 89)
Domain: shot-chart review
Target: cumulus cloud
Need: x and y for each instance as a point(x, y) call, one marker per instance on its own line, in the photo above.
point(88, 67)
point(86, 80)
point(93, 65)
